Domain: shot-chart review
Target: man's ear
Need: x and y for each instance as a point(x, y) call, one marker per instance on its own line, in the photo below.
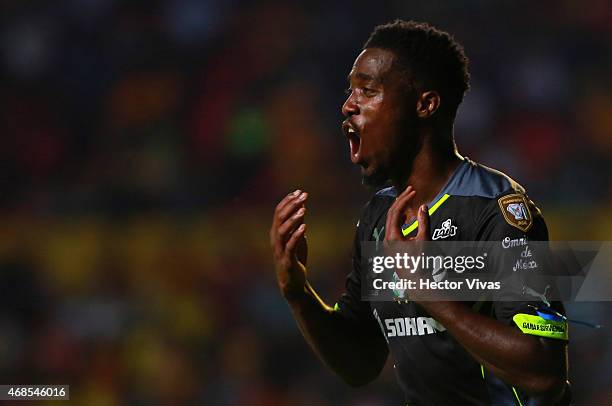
point(427, 104)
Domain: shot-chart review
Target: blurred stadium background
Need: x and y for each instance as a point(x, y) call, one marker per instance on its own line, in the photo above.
point(145, 143)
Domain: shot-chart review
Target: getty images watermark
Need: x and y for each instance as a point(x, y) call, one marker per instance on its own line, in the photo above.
point(514, 269)
point(435, 265)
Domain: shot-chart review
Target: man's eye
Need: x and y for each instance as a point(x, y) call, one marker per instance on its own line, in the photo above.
point(369, 92)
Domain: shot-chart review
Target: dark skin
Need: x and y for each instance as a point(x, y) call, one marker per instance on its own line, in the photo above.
point(384, 117)
point(334, 339)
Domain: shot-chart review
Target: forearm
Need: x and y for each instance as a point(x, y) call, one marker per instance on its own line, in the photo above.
point(356, 355)
point(535, 365)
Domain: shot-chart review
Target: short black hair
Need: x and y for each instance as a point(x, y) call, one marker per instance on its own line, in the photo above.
point(430, 57)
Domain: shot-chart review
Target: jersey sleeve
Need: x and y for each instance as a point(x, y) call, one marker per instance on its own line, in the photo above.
point(522, 264)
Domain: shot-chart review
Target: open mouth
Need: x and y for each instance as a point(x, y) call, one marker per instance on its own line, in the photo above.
point(354, 143)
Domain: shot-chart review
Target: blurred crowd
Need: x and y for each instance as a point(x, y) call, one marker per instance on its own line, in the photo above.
point(145, 144)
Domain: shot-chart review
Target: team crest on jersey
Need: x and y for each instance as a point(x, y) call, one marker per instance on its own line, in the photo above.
point(515, 209)
point(446, 230)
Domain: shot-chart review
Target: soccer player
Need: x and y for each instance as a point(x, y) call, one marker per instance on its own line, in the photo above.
point(404, 90)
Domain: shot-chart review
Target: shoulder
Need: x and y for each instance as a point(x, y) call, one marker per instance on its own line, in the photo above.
point(506, 207)
point(380, 202)
point(388, 192)
point(496, 202)
point(475, 180)
point(375, 208)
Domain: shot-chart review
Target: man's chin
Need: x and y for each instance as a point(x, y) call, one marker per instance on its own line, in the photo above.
point(373, 178)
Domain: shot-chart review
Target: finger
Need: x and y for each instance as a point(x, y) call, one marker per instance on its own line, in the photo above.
point(283, 203)
point(402, 204)
point(423, 218)
point(406, 191)
point(291, 204)
point(403, 199)
point(402, 196)
point(390, 233)
point(397, 213)
point(291, 207)
point(294, 239)
point(285, 230)
point(288, 198)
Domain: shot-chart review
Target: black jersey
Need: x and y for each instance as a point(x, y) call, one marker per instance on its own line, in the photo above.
point(476, 204)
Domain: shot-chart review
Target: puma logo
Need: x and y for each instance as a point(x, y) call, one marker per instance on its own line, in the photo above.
point(378, 234)
point(541, 296)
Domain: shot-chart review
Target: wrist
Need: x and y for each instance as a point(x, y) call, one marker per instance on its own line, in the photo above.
point(295, 294)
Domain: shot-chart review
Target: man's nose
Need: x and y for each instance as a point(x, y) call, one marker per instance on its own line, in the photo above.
point(350, 107)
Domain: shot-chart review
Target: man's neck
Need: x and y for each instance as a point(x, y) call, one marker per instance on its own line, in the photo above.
point(431, 170)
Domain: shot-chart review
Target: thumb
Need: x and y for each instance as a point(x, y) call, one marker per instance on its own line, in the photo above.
point(423, 218)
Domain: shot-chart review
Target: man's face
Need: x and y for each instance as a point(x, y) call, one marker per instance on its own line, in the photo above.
point(379, 123)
